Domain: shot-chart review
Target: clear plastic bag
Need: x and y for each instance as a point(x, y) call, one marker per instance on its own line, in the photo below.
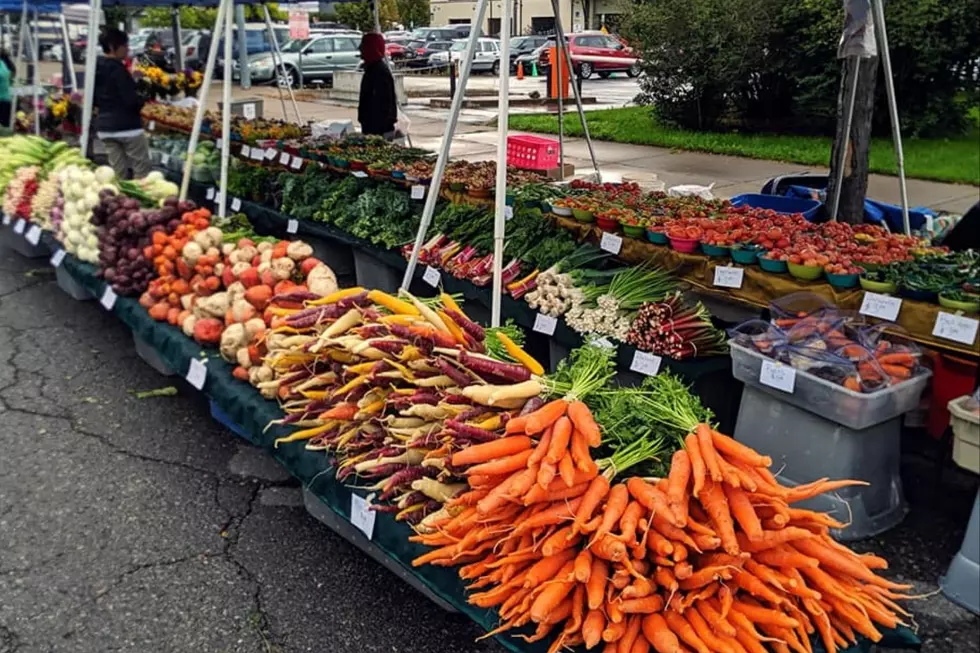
point(818, 361)
point(816, 327)
point(760, 335)
point(787, 310)
point(869, 375)
point(893, 349)
point(686, 190)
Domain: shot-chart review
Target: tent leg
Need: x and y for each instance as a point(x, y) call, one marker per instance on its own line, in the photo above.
point(36, 80)
point(66, 55)
point(17, 57)
point(280, 66)
point(203, 100)
point(178, 44)
point(433, 195)
point(560, 36)
point(848, 118)
point(226, 110)
point(499, 219)
point(89, 94)
point(878, 13)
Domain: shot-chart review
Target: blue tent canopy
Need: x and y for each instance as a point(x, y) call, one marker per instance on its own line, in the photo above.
point(46, 7)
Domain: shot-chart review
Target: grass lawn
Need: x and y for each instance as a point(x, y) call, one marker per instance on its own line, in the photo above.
point(954, 160)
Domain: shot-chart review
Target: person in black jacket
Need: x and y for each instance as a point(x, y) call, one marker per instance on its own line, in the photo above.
point(377, 110)
point(118, 124)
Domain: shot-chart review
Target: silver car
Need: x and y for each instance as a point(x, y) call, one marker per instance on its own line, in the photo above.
point(486, 57)
point(314, 58)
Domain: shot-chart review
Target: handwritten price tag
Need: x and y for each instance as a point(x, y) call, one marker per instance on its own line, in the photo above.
point(646, 363)
point(284, 159)
point(297, 163)
point(271, 153)
point(258, 154)
point(418, 192)
point(778, 376)
point(19, 226)
point(248, 110)
point(197, 374)
point(57, 258)
point(218, 143)
point(236, 204)
point(152, 126)
point(545, 324)
point(611, 243)
point(360, 174)
point(957, 328)
point(165, 159)
point(431, 276)
point(210, 193)
point(883, 307)
point(246, 151)
point(292, 226)
point(6, 219)
point(108, 299)
point(727, 276)
point(361, 514)
point(508, 212)
point(33, 235)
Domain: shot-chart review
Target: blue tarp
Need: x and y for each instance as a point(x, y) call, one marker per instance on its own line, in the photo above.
point(875, 212)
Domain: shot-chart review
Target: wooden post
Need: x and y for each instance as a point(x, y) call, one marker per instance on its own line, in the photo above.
point(854, 182)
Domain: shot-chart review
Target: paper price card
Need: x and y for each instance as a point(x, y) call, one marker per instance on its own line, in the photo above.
point(19, 226)
point(777, 375)
point(236, 204)
point(361, 514)
point(883, 307)
point(6, 219)
point(152, 125)
point(431, 276)
point(248, 110)
point(33, 235)
point(292, 226)
point(508, 212)
point(258, 154)
point(611, 243)
point(284, 159)
point(297, 163)
point(165, 159)
point(197, 374)
point(218, 143)
point(957, 328)
point(360, 174)
point(210, 193)
point(246, 151)
point(271, 153)
point(418, 192)
point(727, 276)
point(646, 363)
point(108, 299)
point(545, 324)
point(57, 258)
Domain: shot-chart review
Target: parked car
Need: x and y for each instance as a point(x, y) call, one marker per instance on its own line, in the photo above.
point(398, 34)
point(423, 52)
point(524, 45)
point(596, 44)
point(153, 45)
point(195, 44)
point(534, 57)
point(257, 42)
point(316, 57)
point(448, 33)
point(486, 57)
point(397, 49)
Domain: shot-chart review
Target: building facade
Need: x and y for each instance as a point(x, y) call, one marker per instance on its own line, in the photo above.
point(532, 16)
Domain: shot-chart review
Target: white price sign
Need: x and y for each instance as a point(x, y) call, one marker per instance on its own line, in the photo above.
point(6, 219)
point(57, 258)
point(508, 212)
point(360, 174)
point(165, 159)
point(236, 204)
point(33, 235)
point(19, 226)
point(545, 324)
point(297, 163)
point(197, 374)
point(210, 193)
point(611, 243)
point(646, 363)
point(361, 514)
point(284, 159)
point(883, 307)
point(727, 276)
point(431, 276)
point(779, 376)
point(957, 328)
point(418, 192)
point(292, 226)
point(271, 153)
point(217, 143)
point(246, 151)
point(217, 196)
point(258, 154)
point(152, 125)
point(108, 299)
point(248, 110)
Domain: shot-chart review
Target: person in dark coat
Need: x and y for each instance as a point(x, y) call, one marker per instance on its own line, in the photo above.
point(118, 124)
point(377, 110)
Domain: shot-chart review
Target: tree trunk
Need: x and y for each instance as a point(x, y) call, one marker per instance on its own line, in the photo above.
point(854, 183)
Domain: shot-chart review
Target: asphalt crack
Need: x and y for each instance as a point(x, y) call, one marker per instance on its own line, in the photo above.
point(10, 641)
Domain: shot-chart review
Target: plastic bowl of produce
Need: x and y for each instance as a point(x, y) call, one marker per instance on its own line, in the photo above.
point(842, 281)
point(772, 265)
point(657, 237)
point(959, 305)
point(457, 187)
point(563, 211)
point(606, 224)
point(684, 245)
point(745, 255)
point(877, 286)
point(927, 296)
point(805, 272)
point(582, 215)
point(633, 230)
point(397, 174)
point(714, 250)
point(341, 163)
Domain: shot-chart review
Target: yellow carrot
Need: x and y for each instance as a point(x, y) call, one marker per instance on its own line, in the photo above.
point(393, 304)
point(450, 303)
point(453, 327)
point(335, 297)
point(306, 434)
point(519, 354)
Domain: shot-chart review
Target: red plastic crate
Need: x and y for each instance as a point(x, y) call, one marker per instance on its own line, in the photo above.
point(532, 152)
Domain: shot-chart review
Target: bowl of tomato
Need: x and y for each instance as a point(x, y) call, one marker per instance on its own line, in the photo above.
point(774, 265)
point(683, 245)
point(657, 237)
point(805, 272)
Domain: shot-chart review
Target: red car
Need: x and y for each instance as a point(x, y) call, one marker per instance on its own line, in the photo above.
point(595, 52)
point(396, 50)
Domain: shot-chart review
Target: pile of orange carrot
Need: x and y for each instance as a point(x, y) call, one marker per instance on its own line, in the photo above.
point(712, 559)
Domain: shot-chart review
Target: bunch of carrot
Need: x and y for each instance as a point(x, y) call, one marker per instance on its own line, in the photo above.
point(711, 559)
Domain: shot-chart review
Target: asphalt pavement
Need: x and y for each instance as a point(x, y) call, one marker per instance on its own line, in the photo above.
point(142, 525)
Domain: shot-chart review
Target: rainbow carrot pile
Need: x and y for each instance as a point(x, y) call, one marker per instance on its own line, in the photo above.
point(712, 559)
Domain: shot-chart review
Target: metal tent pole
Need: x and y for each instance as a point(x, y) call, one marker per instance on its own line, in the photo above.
point(203, 100)
point(226, 109)
point(433, 195)
point(878, 13)
point(556, 74)
point(89, 94)
point(244, 74)
point(560, 33)
point(66, 55)
point(178, 43)
point(499, 218)
point(376, 8)
point(36, 81)
point(842, 155)
point(17, 56)
point(280, 66)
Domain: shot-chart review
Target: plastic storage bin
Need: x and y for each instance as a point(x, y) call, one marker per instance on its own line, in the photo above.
point(778, 204)
point(532, 152)
point(961, 584)
point(67, 283)
point(151, 357)
point(830, 401)
point(966, 435)
point(222, 418)
point(19, 244)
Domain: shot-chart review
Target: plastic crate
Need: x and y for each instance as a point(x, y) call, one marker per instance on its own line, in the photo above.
point(149, 355)
point(855, 410)
point(532, 152)
point(71, 287)
point(966, 435)
point(778, 204)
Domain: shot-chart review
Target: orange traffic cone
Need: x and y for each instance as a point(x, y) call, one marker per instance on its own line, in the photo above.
point(520, 70)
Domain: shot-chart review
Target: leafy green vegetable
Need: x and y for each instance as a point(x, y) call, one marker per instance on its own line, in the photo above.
point(495, 348)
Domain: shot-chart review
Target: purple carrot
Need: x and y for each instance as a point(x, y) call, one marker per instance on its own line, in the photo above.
point(372, 331)
point(294, 296)
point(484, 366)
point(532, 405)
point(384, 508)
point(450, 370)
point(470, 413)
point(471, 432)
point(390, 346)
point(456, 398)
point(466, 324)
